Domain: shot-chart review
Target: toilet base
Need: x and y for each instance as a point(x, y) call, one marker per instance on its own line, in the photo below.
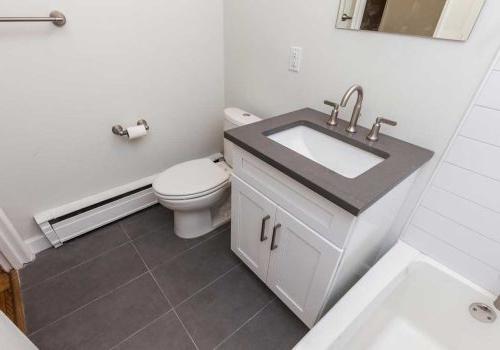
point(192, 224)
point(196, 217)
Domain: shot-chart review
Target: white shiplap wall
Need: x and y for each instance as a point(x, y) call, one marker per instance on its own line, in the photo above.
point(458, 220)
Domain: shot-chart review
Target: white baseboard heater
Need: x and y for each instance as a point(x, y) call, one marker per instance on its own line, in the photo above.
point(74, 219)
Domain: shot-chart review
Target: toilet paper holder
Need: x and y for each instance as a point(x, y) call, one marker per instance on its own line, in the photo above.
point(121, 131)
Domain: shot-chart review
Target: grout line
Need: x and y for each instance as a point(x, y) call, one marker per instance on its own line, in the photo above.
point(142, 259)
point(120, 224)
point(186, 330)
point(174, 311)
point(130, 241)
point(208, 285)
point(471, 170)
point(167, 299)
point(486, 107)
point(245, 323)
point(464, 198)
point(75, 266)
point(140, 330)
point(489, 238)
point(155, 230)
point(214, 234)
point(480, 141)
point(87, 304)
point(455, 247)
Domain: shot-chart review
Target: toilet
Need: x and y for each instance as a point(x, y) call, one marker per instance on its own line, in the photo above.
point(198, 190)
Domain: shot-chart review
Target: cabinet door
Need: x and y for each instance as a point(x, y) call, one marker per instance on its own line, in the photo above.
point(301, 266)
point(252, 220)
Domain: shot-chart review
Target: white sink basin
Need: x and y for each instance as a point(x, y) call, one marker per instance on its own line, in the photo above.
point(342, 158)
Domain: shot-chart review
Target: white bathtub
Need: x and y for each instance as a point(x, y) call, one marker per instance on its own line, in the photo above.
point(406, 301)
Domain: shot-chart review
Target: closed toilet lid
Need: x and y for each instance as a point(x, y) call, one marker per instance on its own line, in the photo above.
point(195, 176)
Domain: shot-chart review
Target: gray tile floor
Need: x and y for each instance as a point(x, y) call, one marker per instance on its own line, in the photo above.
point(135, 285)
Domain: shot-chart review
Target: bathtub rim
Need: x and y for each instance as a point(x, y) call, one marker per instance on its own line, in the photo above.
point(369, 292)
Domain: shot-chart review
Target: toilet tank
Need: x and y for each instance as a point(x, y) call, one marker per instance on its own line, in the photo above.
point(233, 118)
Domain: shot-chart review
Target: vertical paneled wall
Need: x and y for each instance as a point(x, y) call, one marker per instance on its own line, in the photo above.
point(458, 220)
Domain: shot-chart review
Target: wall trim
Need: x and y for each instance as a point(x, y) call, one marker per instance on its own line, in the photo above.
point(14, 250)
point(38, 244)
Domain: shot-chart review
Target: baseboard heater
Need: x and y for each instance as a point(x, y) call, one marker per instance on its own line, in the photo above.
point(77, 218)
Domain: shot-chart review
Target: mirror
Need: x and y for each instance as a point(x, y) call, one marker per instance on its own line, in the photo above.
point(441, 19)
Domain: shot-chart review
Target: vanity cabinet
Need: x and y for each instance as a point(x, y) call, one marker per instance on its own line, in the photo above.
point(253, 218)
point(295, 262)
point(306, 249)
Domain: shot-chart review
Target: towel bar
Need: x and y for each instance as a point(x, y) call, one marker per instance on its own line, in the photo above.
point(56, 17)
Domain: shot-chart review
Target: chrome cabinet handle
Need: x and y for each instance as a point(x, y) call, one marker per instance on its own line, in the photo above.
point(273, 240)
point(263, 228)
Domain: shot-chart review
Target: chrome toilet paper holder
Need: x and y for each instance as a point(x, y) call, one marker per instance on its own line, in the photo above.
point(121, 131)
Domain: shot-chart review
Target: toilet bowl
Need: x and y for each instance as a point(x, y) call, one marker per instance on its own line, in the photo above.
point(198, 191)
point(191, 190)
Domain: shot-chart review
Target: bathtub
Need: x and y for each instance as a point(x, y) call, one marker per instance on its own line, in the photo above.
point(406, 301)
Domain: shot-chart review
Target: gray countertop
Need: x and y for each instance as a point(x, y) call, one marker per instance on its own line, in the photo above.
point(354, 195)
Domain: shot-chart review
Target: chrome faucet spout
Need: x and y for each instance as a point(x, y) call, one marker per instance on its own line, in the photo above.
point(357, 107)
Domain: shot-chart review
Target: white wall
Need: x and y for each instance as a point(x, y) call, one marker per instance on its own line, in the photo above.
point(424, 84)
point(458, 220)
point(63, 88)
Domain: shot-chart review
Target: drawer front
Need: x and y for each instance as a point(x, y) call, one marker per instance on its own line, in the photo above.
point(329, 220)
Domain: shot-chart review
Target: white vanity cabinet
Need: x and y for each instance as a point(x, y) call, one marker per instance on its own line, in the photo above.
point(294, 261)
point(306, 249)
point(253, 217)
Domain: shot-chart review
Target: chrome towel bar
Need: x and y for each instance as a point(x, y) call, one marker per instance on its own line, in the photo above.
point(56, 17)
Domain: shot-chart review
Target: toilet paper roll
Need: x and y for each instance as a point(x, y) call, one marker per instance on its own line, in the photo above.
point(134, 132)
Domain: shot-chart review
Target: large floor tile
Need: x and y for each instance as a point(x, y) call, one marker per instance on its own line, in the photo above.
point(106, 321)
point(274, 328)
point(165, 333)
point(161, 245)
point(218, 310)
point(182, 277)
point(53, 261)
point(147, 221)
point(48, 301)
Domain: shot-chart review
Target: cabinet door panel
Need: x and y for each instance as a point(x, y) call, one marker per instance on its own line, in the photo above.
point(301, 267)
point(252, 217)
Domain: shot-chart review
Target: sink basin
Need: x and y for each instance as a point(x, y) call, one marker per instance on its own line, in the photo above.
point(338, 156)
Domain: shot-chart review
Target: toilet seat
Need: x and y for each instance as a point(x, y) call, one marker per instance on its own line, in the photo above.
point(189, 180)
point(194, 195)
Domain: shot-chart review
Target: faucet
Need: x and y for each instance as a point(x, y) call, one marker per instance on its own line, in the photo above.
point(333, 120)
point(374, 133)
point(497, 303)
point(357, 108)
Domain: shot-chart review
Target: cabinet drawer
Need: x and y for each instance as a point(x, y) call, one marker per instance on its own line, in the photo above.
point(329, 220)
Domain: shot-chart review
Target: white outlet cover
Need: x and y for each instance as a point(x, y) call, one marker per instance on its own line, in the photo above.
point(295, 59)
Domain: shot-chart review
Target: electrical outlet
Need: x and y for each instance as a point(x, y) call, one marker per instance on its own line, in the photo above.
point(295, 59)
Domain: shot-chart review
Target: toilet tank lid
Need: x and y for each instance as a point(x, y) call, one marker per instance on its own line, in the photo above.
point(240, 117)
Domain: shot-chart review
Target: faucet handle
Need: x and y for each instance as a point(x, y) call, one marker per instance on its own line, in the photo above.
point(374, 133)
point(331, 104)
point(386, 121)
point(335, 112)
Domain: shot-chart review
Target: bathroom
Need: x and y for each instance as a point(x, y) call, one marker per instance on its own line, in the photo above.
point(116, 116)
